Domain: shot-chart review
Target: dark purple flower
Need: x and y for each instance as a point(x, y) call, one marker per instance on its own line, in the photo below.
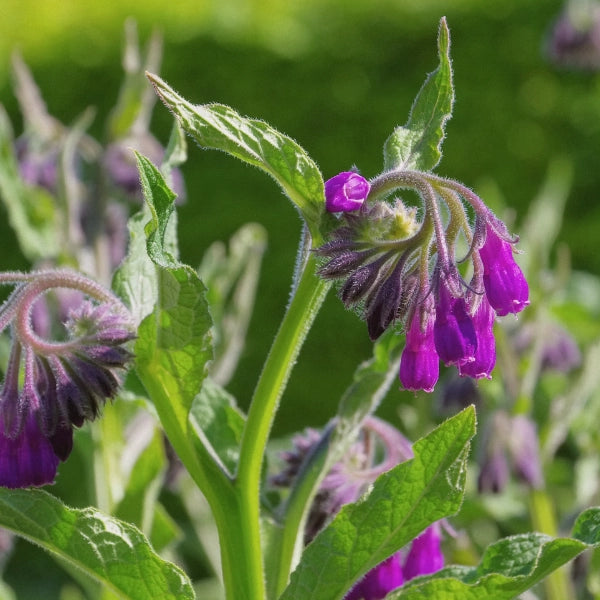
point(64, 382)
point(346, 192)
point(348, 478)
point(425, 554)
point(420, 364)
point(383, 305)
point(485, 353)
point(458, 393)
point(379, 581)
point(453, 331)
point(28, 459)
point(506, 288)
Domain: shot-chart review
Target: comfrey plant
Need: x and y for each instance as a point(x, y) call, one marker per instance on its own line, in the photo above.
point(356, 510)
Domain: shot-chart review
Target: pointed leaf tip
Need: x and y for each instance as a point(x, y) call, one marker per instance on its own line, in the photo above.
point(417, 145)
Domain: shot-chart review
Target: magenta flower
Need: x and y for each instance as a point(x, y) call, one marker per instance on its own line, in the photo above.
point(420, 364)
point(425, 554)
point(379, 581)
point(424, 557)
point(345, 192)
point(506, 288)
point(453, 332)
point(485, 353)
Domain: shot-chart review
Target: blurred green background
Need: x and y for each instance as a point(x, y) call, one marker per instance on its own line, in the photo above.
point(337, 76)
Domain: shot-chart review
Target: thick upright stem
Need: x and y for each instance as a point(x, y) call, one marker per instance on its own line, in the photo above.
point(304, 306)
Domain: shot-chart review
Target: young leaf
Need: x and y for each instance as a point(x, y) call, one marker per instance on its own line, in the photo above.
point(174, 341)
point(417, 145)
point(402, 503)
point(136, 279)
point(221, 128)
point(218, 423)
point(112, 552)
point(508, 567)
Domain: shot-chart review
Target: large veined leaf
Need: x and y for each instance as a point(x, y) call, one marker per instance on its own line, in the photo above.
point(417, 145)
point(220, 127)
point(508, 567)
point(112, 552)
point(402, 503)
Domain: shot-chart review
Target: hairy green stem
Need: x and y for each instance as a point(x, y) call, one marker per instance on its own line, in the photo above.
point(309, 294)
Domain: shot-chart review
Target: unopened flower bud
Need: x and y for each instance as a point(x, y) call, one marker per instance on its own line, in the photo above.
point(345, 192)
point(506, 288)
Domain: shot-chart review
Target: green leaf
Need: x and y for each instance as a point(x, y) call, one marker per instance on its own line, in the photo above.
point(134, 103)
point(218, 424)
point(508, 567)
point(164, 529)
point(417, 145)
point(138, 504)
point(112, 552)
point(402, 503)
point(31, 210)
point(136, 279)
point(174, 341)
point(219, 127)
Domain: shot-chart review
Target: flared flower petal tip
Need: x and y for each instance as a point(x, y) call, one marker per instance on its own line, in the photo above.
point(505, 285)
point(27, 460)
point(346, 192)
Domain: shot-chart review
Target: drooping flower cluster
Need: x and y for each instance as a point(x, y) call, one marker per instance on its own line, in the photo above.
point(64, 383)
point(399, 268)
point(346, 482)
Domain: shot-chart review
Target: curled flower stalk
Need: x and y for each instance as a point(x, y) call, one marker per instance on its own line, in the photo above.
point(397, 265)
point(64, 382)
